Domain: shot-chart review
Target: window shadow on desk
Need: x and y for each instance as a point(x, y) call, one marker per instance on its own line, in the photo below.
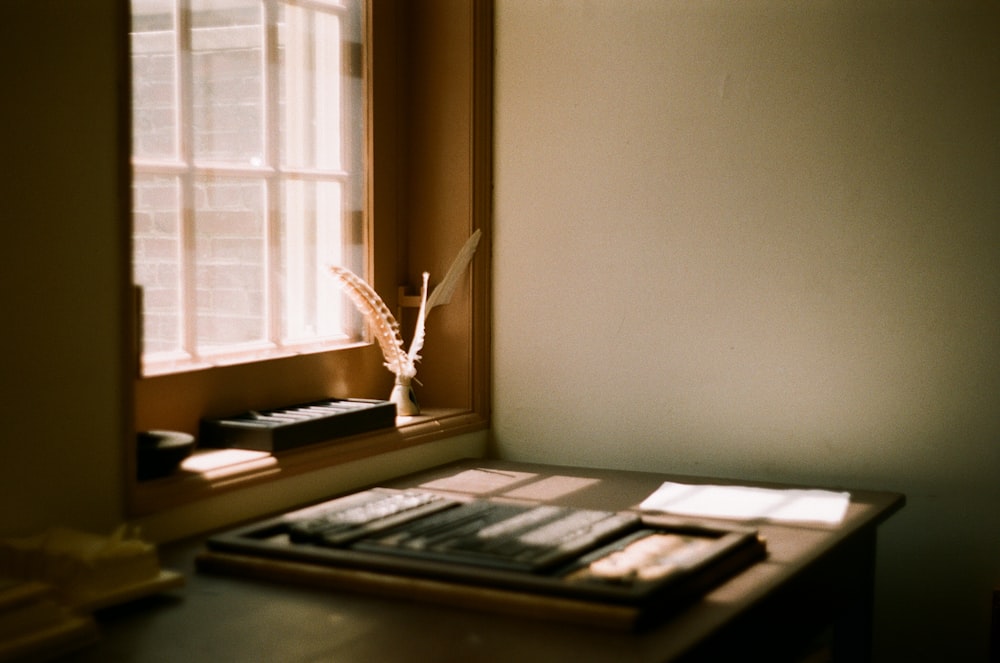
point(519, 486)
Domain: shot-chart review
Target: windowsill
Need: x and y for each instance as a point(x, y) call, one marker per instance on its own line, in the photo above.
point(210, 472)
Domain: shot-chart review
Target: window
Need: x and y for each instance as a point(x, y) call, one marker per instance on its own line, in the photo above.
point(248, 131)
point(426, 161)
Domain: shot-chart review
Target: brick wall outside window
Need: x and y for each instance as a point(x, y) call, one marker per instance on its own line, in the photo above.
point(229, 212)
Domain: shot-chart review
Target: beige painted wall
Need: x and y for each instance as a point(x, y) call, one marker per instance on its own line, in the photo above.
point(762, 239)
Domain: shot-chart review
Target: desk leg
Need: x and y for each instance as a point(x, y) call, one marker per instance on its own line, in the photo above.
point(852, 626)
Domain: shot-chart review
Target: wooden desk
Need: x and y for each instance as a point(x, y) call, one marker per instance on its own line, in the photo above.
point(816, 583)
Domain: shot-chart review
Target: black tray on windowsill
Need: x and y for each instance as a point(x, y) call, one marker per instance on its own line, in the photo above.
point(284, 428)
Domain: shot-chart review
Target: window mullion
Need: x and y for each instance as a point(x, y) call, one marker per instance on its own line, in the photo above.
point(271, 128)
point(185, 146)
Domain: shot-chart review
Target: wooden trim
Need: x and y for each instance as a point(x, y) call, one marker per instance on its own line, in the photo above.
point(448, 190)
point(244, 469)
point(482, 204)
point(131, 306)
point(430, 165)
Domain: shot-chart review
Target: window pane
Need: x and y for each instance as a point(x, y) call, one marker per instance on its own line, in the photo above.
point(154, 67)
point(313, 237)
point(227, 115)
point(311, 88)
point(230, 262)
point(157, 252)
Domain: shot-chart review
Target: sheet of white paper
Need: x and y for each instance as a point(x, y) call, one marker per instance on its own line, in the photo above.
point(746, 503)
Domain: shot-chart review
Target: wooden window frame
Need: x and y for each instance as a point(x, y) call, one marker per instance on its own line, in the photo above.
point(430, 186)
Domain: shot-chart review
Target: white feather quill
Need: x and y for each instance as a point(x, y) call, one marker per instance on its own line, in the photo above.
point(417, 344)
point(446, 288)
point(385, 327)
point(380, 319)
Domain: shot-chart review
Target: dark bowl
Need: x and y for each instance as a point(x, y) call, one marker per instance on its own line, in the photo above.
point(160, 452)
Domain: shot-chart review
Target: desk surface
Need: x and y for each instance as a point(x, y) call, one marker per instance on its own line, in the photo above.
point(229, 618)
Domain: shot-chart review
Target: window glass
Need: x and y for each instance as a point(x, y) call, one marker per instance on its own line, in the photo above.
point(248, 177)
point(227, 81)
point(309, 243)
point(156, 238)
point(230, 256)
point(307, 66)
point(154, 46)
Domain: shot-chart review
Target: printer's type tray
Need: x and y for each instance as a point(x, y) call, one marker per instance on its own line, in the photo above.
point(613, 569)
